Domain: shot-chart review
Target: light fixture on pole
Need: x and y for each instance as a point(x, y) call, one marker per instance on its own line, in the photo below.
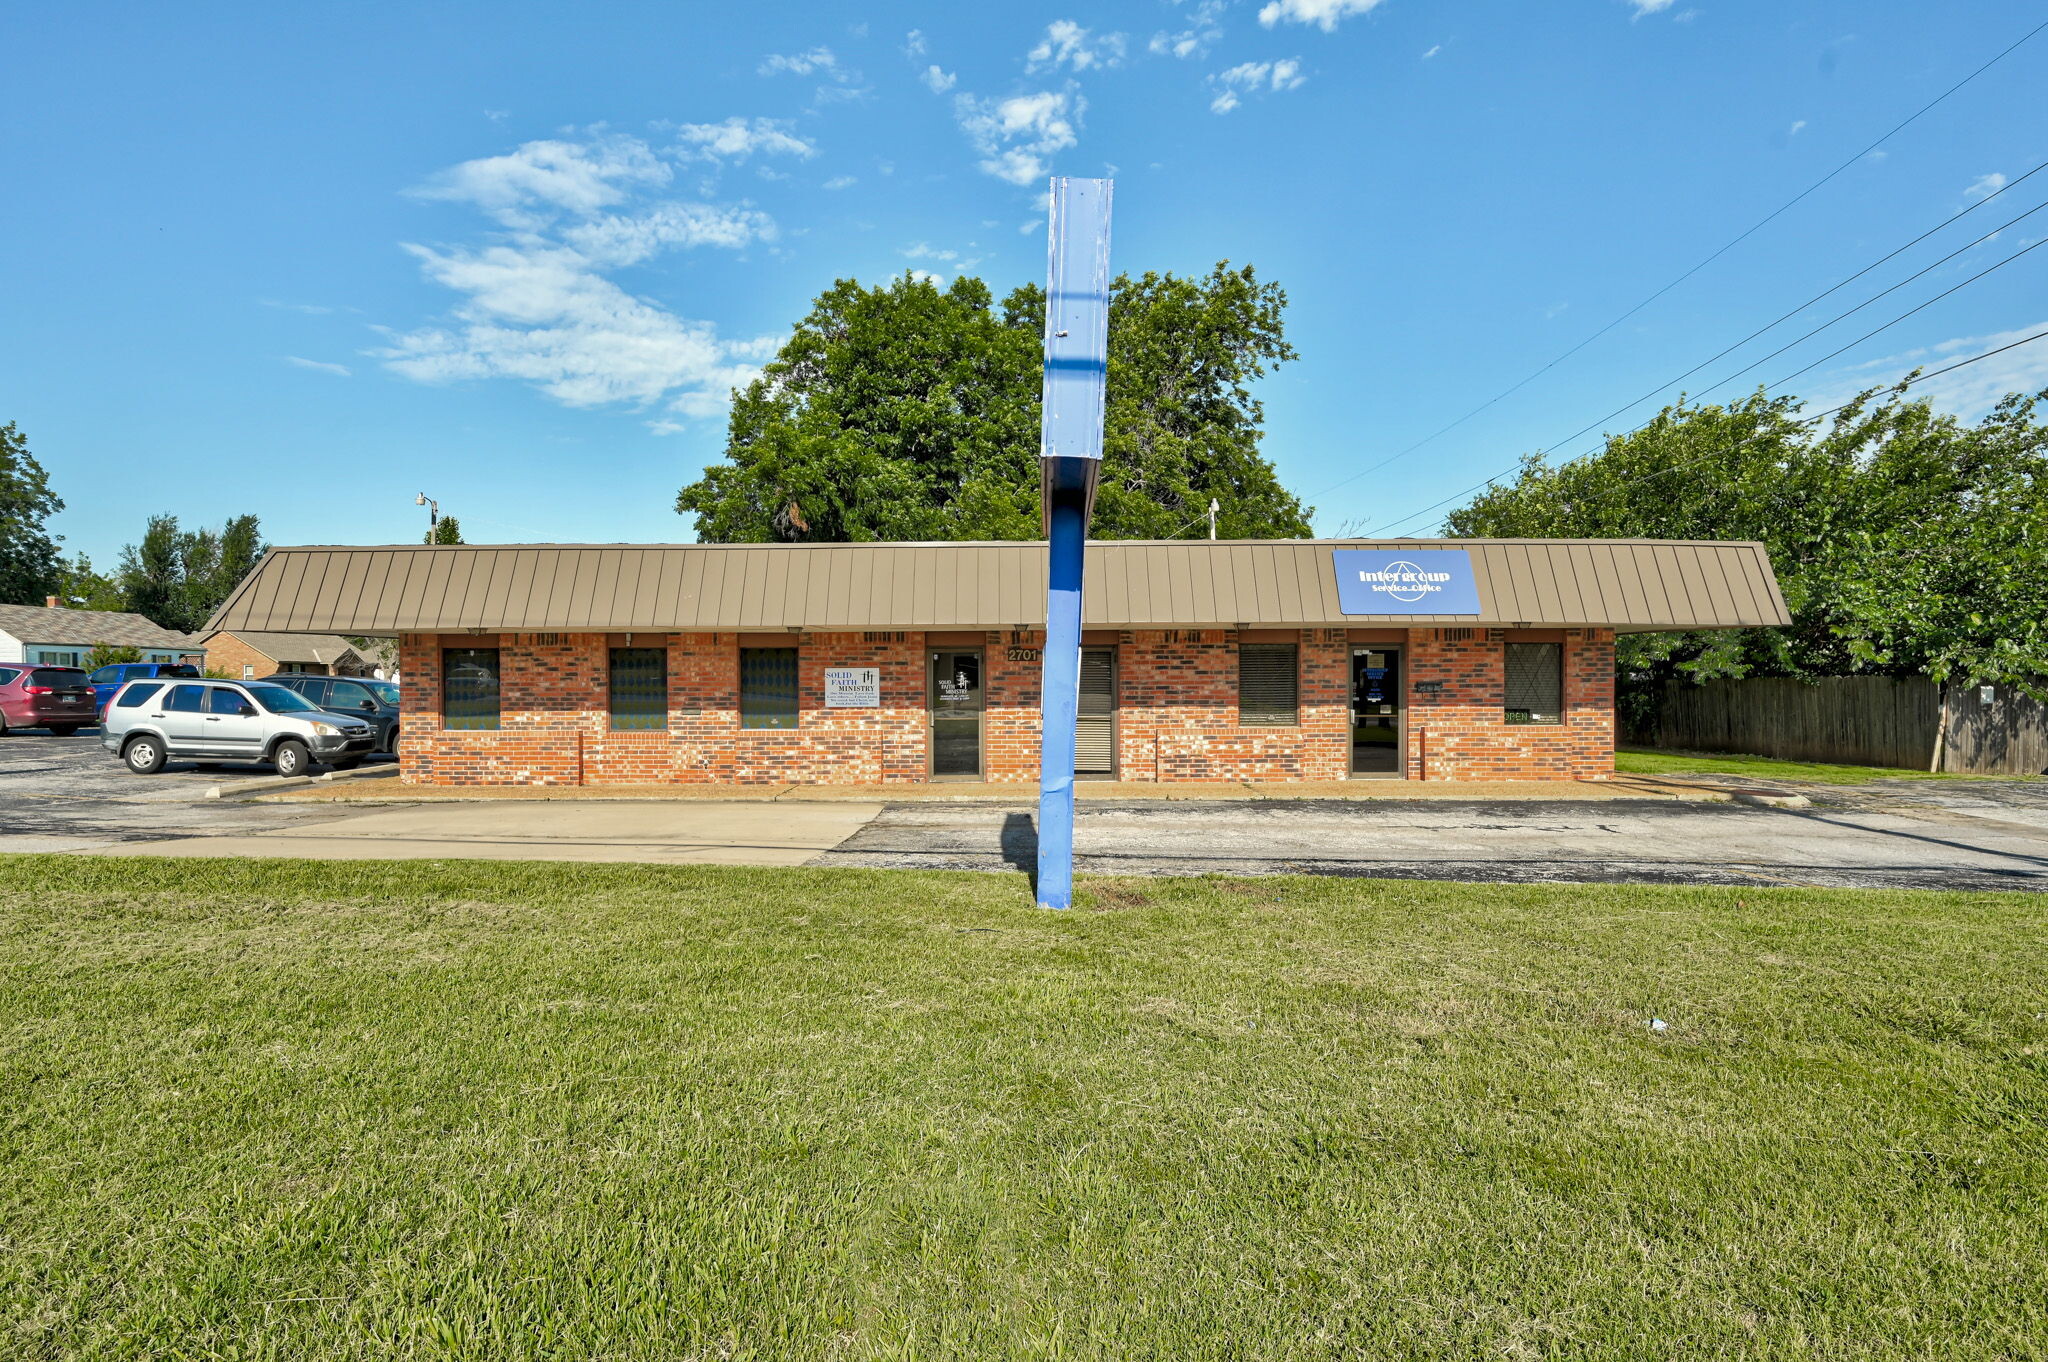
point(433, 513)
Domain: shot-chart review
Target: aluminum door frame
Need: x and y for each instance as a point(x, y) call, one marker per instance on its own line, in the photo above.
point(931, 695)
point(1400, 771)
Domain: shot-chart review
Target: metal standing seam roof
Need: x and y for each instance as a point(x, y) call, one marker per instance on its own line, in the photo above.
point(84, 628)
point(1631, 585)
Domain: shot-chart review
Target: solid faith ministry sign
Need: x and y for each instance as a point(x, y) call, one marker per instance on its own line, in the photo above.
point(1405, 582)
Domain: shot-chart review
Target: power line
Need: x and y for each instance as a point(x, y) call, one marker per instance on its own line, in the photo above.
point(1906, 383)
point(1824, 293)
point(1738, 240)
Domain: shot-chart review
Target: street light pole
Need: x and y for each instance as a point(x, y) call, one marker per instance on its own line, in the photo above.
point(433, 513)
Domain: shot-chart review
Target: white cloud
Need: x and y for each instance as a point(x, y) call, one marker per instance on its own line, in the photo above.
point(532, 184)
point(1795, 129)
point(1327, 14)
point(1969, 392)
point(738, 138)
point(318, 366)
point(1984, 186)
point(926, 251)
point(914, 44)
point(536, 300)
point(1066, 43)
point(841, 182)
point(1643, 7)
point(938, 81)
point(1254, 77)
point(1433, 51)
point(1018, 136)
point(806, 63)
point(1195, 40)
point(927, 277)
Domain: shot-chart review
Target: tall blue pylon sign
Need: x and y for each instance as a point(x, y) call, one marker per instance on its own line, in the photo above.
point(1069, 455)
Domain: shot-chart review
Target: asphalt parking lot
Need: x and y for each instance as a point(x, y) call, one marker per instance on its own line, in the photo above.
point(67, 795)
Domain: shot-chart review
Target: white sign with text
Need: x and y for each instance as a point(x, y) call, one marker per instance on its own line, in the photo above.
point(853, 687)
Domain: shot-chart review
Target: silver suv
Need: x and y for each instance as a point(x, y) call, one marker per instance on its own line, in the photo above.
point(150, 722)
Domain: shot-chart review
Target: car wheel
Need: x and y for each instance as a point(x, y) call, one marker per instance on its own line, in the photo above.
point(64, 730)
point(292, 758)
point(144, 755)
point(3, 725)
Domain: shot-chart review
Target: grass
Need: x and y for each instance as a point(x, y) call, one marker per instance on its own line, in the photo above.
point(268, 1110)
point(1644, 761)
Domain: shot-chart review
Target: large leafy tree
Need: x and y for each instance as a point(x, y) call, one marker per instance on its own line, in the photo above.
point(907, 411)
point(30, 569)
point(1906, 542)
point(177, 578)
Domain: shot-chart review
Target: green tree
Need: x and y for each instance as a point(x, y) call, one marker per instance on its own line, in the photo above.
point(907, 411)
point(447, 530)
point(178, 578)
point(83, 587)
point(1906, 542)
point(107, 654)
point(30, 570)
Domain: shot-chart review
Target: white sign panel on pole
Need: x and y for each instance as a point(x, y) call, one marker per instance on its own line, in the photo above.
point(853, 687)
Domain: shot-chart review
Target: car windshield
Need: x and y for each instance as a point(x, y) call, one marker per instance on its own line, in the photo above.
point(280, 700)
point(385, 691)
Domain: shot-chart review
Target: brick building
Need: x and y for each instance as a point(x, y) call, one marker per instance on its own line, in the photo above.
point(1297, 660)
point(251, 653)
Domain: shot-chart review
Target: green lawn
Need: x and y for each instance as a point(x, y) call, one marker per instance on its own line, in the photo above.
point(507, 1111)
point(1644, 761)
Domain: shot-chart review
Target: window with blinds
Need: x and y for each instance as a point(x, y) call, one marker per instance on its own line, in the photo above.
point(469, 687)
point(767, 688)
point(1535, 683)
point(1095, 718)
point(1268, 685)
point(639, 688)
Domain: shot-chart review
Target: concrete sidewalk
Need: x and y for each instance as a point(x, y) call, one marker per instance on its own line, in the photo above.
point(662, 834)
point(1018, 792)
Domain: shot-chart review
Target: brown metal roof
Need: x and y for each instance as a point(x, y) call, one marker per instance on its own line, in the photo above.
point(1627, 584)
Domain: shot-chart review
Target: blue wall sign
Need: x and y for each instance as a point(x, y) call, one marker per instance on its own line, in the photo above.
point(1405, 582)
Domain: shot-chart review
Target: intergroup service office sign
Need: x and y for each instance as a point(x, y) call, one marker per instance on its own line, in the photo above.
point(1405, 582)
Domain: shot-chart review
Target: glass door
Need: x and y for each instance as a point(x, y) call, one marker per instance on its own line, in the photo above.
point(956, 708)
point(1376, 744)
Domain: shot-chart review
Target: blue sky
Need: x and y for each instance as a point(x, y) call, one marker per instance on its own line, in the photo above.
point(308, 263)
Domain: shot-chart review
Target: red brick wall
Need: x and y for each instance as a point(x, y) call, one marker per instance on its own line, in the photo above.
point(1177, 713)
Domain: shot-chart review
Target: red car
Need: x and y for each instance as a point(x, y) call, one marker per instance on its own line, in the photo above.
point(57, 698)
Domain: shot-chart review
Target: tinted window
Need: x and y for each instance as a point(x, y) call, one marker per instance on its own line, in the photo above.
point(639, 688)
point(469, 687)
point(315, 691)
point(56, 676)
point(281, 700)
point(768, 683)
point(106, 676)
point(177, 669)
point(1535, 683)
point(1268, 684)
point(8, 674)
point(225, 701)
point(138, 694)
point(347, 695)
point(186, 699)
point(385, 691)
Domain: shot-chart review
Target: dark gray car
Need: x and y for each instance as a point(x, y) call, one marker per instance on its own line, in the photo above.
point(357, 697)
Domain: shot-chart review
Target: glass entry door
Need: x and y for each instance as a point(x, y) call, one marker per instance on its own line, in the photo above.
point(1376, 744)
point(956, 708)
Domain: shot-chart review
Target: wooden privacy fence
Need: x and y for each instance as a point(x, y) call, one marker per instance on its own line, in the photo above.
point(1903, 721)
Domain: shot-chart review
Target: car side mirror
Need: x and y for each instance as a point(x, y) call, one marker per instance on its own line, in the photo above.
point(368, 706)
point(247, 711)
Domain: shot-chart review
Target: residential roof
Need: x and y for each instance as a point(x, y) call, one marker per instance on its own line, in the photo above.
point(84, 628)
point(326, 649)
point(1630, 585)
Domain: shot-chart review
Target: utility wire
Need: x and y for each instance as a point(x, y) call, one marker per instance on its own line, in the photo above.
point(1906, 383)
point(1762, 222)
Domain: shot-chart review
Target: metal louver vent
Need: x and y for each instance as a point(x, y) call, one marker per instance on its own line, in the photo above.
point(1268, 689)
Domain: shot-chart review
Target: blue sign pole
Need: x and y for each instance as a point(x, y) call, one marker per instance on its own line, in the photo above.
point(1070, 452)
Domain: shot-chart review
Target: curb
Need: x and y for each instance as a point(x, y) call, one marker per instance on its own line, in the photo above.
point(1773, 801)
point(267, 784)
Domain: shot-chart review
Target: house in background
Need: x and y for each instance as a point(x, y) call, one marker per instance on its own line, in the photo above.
point(60, 637)
point(251, 653)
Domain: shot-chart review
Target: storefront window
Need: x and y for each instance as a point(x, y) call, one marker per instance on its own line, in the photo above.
point(1268, 687)
point(1535, 683)
point(767, 688)
point(639, 688)
point(469, 687)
